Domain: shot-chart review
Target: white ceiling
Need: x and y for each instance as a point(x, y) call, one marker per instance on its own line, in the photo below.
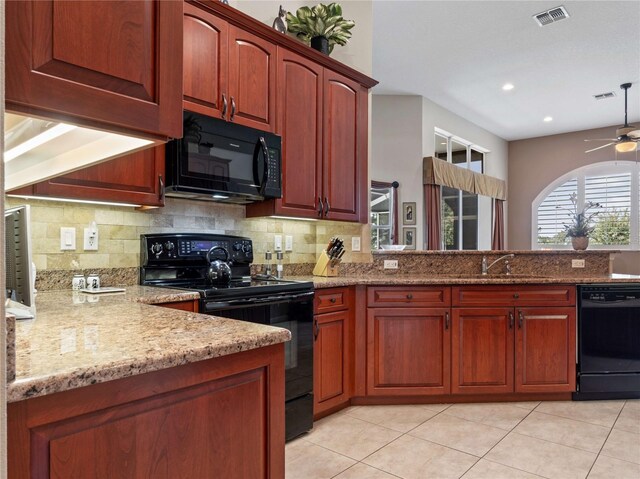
point(460, 53)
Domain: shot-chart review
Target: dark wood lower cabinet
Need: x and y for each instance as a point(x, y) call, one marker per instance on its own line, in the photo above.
point(222, 417)
point(408, 351)
point(545, 350)
point(331, 361)
point(190, 305)
point(482, 351)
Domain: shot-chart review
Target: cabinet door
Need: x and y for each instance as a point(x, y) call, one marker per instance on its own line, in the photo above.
point(408, 351)
point(345, 148)
point(545, 350)
point(299, 100)
point(482, 351)
point(205, 72)
point(331, 361)
point(136, 178)
point(116, 62)
point(252, 80)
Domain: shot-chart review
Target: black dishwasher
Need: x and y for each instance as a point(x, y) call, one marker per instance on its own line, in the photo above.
point(608, 341)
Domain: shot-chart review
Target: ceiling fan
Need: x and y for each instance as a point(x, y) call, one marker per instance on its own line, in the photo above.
point(628, 136)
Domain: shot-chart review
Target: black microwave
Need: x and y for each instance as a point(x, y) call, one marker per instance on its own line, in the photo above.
point(217, 160)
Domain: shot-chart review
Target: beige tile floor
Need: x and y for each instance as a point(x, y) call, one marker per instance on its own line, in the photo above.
point(526, 440)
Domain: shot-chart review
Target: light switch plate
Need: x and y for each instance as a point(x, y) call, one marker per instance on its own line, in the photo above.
point(67, 239)
point(390, 264)
point(577, 263)
point(277, 243)
point(288, 243)
point(355, 243)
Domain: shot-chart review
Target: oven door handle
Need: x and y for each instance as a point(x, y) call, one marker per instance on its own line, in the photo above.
point(213, 306)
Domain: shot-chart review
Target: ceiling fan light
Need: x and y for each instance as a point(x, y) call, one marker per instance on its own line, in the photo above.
point(626, 146)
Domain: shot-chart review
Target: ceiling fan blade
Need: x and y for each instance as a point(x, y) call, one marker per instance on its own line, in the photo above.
point(601, 139)
point(634, 134)
point(600, 147)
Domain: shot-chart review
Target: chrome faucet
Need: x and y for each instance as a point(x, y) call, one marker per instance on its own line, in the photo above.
point(485, 267)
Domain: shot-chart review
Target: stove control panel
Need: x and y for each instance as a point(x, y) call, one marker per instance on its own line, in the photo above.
point(179, 248)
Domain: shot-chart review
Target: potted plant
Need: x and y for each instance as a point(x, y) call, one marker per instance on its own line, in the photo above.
point(323, 26)
point(581, 224)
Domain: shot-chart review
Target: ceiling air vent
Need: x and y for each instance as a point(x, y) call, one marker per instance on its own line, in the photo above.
point(604, 96)
point(550, 16)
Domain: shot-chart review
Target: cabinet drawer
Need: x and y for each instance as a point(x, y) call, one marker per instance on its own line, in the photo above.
point(334, 299)
point(418, 296)
point(523, 295)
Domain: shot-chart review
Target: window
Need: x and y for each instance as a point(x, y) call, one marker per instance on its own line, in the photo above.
point(614, 185)
point(459, 208)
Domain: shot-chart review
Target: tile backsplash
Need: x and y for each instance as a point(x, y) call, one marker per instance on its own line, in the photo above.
point(120, 229)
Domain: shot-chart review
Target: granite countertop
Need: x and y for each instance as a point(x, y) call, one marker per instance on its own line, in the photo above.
point(444, 279)
point(78, 339)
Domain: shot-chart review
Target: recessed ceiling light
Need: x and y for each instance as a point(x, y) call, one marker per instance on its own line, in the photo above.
point(548, 119)
point(507, 86)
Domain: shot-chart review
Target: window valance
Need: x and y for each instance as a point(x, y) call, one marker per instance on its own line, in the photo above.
point(440, 172)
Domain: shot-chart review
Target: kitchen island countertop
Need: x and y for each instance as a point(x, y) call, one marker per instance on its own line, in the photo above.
point(79, 339)
point(461, 279)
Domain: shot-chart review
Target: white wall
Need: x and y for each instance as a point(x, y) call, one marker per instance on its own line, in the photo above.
point(357, 53)
point(397, 149)
point(403, 133)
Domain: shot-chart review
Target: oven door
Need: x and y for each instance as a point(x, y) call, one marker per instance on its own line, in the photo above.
point(293, 312)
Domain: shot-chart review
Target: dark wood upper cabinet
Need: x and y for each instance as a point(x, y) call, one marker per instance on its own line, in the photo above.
point(345, 148)
point(206, 56)
point(323, 119)
point(116, 65)
point(136, 178)
point(252, 80)
point(229, 73)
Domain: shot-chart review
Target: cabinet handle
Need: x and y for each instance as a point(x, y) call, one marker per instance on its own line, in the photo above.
point(511, 319)
point(233, 109)
point(516, 295)
point(520, 319)
point(446, 320)
point(327, 206)
point(161, 185)
point(316, 330)
point(320, 206)
point(409, 296)
point(333, 300)
point(224, 105)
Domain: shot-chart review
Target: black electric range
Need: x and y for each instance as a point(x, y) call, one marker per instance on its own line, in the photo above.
point(179, 261)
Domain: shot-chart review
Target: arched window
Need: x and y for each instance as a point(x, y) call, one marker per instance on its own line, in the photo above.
point(613, 184)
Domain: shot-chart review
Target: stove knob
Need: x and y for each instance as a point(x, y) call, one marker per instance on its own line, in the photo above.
point(169, 246)
point(237, 247)
point(247, 248)
point(156, 248)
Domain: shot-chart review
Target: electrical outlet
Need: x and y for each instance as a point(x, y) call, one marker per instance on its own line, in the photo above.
point(355, 243)
point(288, 243)
point(390, 264)
point(67, 239)
point(277, 243)
point(90, 239)
point(577, 263)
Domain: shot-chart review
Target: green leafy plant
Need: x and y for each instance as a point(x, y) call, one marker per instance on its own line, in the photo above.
point(581, 224)
point(321, 21)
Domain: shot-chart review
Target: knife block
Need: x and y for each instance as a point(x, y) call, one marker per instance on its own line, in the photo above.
point(323, 267)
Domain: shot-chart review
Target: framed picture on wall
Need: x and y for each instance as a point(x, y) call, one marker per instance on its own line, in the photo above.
point(409, 237)
point(409, 213)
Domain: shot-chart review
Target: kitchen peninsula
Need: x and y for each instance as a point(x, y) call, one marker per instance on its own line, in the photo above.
point(119, 388)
